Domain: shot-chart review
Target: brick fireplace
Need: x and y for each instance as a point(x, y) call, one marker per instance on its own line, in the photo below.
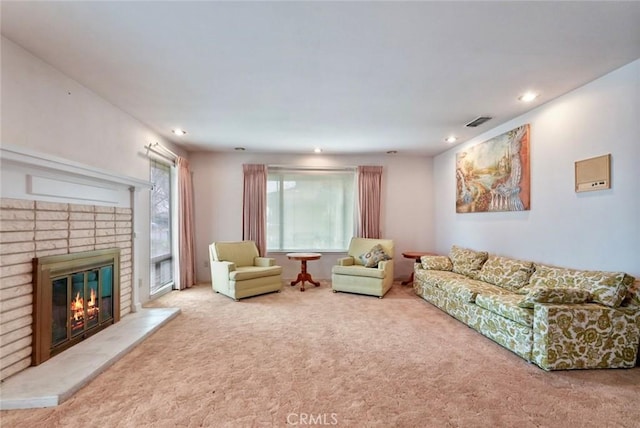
point(34, 229)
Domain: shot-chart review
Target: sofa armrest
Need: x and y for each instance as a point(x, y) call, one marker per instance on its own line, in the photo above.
point(567, 336)
point(264, 261)
point(345, 261)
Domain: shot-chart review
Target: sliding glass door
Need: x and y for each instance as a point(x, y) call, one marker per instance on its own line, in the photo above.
point(162, 260)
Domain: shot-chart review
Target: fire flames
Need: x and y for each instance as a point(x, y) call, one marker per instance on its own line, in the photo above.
point(77, 307)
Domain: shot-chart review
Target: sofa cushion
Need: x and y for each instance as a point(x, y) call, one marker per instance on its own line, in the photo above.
point(607, 288)
point(466, 261)
point(374, 256)
point(554, 295)
point(505, 272)
point(506, 305)
point(436, 263)
point(460, 286)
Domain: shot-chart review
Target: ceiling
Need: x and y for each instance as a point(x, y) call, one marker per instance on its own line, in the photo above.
point(349, 77)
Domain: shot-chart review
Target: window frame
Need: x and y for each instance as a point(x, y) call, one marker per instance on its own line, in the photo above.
point(154, 290)
point(349, 215)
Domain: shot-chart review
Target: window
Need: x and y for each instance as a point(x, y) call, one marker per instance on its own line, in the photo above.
point(161, 236)
point(310, 209)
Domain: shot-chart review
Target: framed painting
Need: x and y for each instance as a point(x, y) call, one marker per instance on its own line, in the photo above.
point(494, 175)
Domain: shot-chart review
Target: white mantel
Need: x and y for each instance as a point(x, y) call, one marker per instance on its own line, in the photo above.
point(27, 174)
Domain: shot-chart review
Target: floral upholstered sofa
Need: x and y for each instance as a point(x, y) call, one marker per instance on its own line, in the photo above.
point(555, 317)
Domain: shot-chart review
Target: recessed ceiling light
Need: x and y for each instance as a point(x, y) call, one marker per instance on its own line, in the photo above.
point(317, 150)
point(451, 139)
point(179, 132)
point(527, 97)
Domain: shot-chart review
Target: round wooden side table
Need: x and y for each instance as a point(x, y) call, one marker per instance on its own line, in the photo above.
point(304, 275)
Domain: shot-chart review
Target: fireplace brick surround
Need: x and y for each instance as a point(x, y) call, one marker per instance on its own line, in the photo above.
point(29, 229)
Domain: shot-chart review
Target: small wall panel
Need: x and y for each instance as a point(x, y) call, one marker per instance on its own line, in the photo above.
point(593, 174)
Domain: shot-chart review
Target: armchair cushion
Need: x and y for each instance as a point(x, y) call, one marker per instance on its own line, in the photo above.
point(251, 272)
point(374, 256)
point(358, 270)
point(241, 253)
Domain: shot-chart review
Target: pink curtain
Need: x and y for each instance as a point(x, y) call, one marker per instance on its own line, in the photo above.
point(254, 206)
point(369, 190)
point(186, 236)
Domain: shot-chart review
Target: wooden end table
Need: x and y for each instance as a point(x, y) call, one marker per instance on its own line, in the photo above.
point(415, 255)
point(304, 275)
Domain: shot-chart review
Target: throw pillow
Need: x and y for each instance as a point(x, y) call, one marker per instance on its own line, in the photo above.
point(607, 288)
point(511, 274)
point(374, 256)
point(467, 262)
point(436, 263)
point(554, 295)
point(633, 291)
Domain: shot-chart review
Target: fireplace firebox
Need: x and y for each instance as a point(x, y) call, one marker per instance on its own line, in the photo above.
point(75, 296)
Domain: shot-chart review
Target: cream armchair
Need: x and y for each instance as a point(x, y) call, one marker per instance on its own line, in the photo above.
point(237, 270)
point(353, 276)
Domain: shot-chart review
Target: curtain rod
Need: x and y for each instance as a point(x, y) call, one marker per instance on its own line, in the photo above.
point(158, 149)
point(313, 168)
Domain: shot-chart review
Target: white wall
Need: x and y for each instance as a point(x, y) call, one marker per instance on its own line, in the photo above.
point(46, 111)
point(407, 195)
point(594, 230)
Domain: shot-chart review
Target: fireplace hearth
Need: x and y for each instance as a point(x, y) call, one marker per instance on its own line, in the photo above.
point(75, 296)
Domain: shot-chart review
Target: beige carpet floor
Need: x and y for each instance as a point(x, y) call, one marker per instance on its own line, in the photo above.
point(323, 359)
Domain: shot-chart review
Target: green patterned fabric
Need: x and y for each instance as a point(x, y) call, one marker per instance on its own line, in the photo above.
point(583, 337)
point(436, 263)
point(554, 295)
point(374, 256)
point(466, 289)
point(510, 334)
point(553, 336)
point(633, 291)
point(506, 306)
point(511, 274)
point(466, 261)
point(607, 288)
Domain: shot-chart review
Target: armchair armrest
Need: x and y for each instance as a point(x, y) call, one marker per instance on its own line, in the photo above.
point(264, 261)
point(385, 264)
point(220, 271)
point(345, 261)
